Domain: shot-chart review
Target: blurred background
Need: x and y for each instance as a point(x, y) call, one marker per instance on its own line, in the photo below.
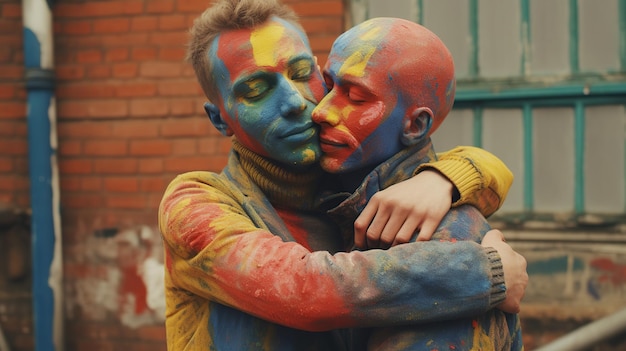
point(99, 111)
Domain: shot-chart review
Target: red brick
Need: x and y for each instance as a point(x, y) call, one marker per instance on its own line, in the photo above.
point(13, 146)
point(144, 53)
point(169, 38)
point(10, 110)
point(97, 9)
point(187, 127)
point(160, 6)
point(7, 91)
point(125, 70)
point(89, 56)
point(69, 72)
point(115, 166)
point(184, 107)
point(144, 23)
point(79, 166)
point(173, 22)
point(6, 164)
point(78, 27)
point(85, 91)
point(193, 6)
point(135, 89)
point(91, 183)
point(117, 54)
point(105, 147)
point(161, 69)
point(129, 39)
point(12, 127)
point(152, 184)
point(111, 25)
point(85, 130)
point(121, 184)
point(104, 108)
point(13, 183)
point(11, 11)
point(177, 88)
point(128, 202)
point(150, 147)
point(70, 148)
point(133, 129)
point(172, 53)
point(151, 165)
point(99, 71)
point(10, 72)
point(184, 147)
point(149, 108)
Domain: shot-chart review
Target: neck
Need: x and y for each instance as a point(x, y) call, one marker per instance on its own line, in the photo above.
point(283, 186)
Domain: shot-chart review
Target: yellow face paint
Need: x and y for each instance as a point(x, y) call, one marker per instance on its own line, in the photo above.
point(356, 63)
point(267, 41)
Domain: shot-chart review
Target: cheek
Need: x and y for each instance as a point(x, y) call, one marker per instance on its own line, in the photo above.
point(364, 121)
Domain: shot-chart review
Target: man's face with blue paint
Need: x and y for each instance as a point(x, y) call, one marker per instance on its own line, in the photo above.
point(361, 116)
point(269, 83)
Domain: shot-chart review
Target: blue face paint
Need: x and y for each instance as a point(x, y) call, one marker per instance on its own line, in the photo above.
point(269, 83)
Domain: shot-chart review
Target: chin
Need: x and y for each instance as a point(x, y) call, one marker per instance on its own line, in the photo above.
point(330, 165)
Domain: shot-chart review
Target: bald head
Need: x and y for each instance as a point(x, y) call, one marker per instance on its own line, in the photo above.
point(404, 56)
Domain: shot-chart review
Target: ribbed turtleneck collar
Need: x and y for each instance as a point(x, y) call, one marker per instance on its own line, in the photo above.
point(282, 186)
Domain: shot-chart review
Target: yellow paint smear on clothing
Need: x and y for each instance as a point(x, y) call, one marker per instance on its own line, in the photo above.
point(482, 341)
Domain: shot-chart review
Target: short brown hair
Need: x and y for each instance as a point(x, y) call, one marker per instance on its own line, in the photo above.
point(226, 15)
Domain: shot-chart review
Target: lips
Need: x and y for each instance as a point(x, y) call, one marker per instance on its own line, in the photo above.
point(303, 131)
point(332, 140)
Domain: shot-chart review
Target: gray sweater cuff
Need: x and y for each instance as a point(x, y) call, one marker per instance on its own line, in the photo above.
point(498, 287)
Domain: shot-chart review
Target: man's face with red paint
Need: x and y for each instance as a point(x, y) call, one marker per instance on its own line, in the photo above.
point(269, 84)
point(361, 116)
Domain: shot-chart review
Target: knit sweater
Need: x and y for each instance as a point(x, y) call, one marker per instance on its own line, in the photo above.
point(238, 278)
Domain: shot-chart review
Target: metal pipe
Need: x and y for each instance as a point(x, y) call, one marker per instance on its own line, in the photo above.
point(589, 335)
point(44, 185)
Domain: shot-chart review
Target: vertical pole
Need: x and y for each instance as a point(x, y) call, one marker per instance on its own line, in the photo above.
point(44, 188)
point(474, 68)
point(579, 157)
point(525, 37)
point(529, 169)
point(573, 37)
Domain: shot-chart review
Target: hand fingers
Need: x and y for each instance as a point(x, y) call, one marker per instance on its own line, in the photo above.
point(492, 236)
point(406, 232)
point(427, 230)
point(362, 223)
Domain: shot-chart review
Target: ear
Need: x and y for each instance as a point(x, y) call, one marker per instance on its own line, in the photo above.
point(417, 124)
point(216, 118)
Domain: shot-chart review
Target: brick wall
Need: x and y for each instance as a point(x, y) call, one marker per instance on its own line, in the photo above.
point(129, 118)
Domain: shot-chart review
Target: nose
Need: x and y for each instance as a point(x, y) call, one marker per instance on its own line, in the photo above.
point(324, 112)
point(294, 103)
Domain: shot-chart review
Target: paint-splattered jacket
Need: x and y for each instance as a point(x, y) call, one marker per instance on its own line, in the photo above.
point(240, 275)
point(493, 331)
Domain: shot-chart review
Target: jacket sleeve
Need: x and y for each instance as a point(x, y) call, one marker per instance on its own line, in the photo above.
point(481, 178)
point(214, 250)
